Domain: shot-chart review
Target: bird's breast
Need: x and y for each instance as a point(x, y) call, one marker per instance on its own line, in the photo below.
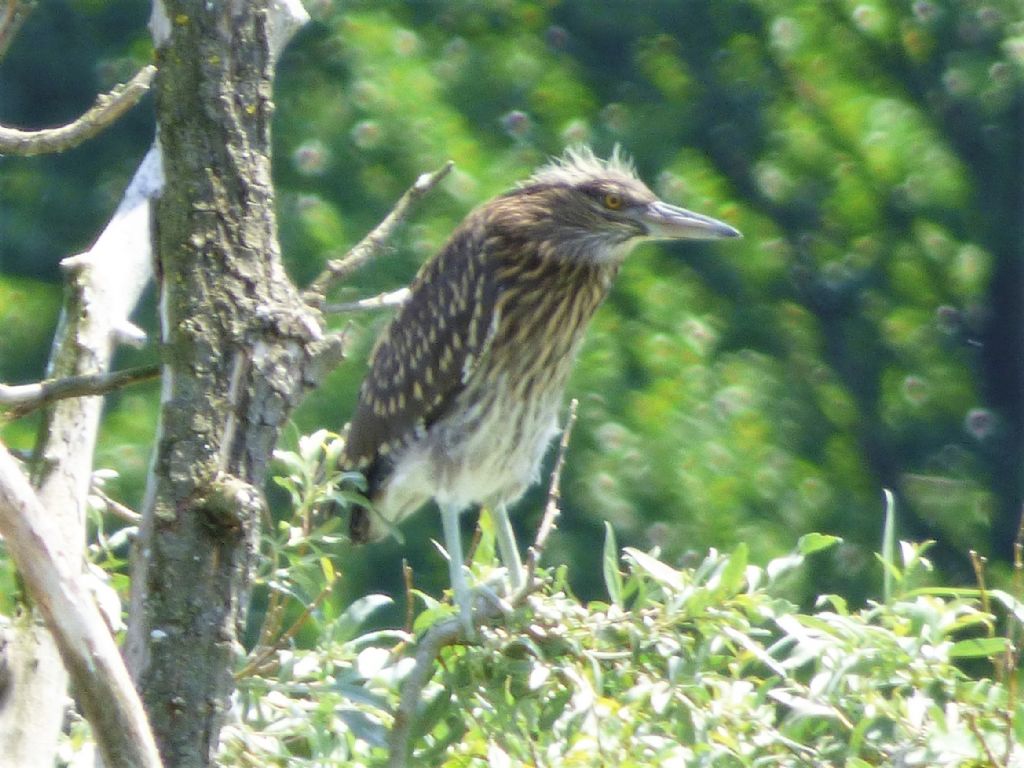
point(490, 447)
point(489, 444)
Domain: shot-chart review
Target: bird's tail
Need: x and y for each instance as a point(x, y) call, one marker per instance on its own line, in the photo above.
point(374, 507)
point(360, 525)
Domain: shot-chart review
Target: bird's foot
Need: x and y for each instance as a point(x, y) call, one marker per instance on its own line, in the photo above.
point(482, 602)
point(502, 586)
point(516, 579)
point(493, 602)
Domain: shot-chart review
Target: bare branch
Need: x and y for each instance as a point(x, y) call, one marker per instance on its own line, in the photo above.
point(327, 354)
point(261, 655)
point(450, 631)
point(108, 108)
point(54, 580)
point(410, 598)
point(375, 242)
point(116, 508)
point(380, 301)
point(440, 635)
point(551, 509)
point(104, 284)
point(24, 398)
point(14, 15)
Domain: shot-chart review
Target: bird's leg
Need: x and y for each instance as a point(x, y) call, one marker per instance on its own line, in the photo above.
point(453, 543)
point(507, 547)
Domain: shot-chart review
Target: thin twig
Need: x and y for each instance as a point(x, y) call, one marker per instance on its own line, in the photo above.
point(1013, 632)
point(261, 657)
point(24, 398)
point(375, 241)
point(380, 301)
point(107, 109)
point(972, 724)
point(15, 13)
point(473, 544)
point(551, 508)
point(116, 508)
point(410, 598)
point(272, 620)
point(978, 562)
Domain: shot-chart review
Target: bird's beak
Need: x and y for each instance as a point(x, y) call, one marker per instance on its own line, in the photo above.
point(669, 222)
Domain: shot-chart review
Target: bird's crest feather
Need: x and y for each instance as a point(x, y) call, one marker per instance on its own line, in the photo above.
point(579, 165)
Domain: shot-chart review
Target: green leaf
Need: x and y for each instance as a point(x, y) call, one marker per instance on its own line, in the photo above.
point(287, 589)
point(345, 497)
point(610, 564)
point(428, 617)
point(486, 551)
point(781, 565)
point(889, 546)
point(357, 614)
point(290, 460)
point(1011, 603)
point(810, 543)
point(1018, 723)
point(734, 569)
point(838, 603)
point(657, 570)
point(979, 647)
point(891, 571)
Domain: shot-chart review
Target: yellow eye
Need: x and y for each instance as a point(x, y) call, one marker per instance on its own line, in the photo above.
point(612, 201)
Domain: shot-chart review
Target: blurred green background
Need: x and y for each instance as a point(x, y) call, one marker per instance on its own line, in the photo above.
point(865, 334)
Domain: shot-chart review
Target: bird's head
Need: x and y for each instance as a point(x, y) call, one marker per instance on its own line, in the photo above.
point(583, 207)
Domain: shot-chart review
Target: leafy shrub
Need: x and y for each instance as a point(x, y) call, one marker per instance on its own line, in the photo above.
point(703, 666)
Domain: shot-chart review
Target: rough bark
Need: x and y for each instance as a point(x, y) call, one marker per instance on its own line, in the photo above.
point(240, 349)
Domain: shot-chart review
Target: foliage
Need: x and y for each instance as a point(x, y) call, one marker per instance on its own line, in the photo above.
point(862, 335)
point(866, 333)
point(701, 666)
point(772, 386)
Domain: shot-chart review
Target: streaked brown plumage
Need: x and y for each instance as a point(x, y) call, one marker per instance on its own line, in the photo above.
point(465, 385)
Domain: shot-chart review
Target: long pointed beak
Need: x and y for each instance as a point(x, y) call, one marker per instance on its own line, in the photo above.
point(669, 222)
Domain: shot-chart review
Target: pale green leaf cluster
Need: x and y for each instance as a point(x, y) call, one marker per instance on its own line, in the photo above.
point(704, 666)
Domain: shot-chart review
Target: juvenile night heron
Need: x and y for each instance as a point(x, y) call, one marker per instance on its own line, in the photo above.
point(465, 385)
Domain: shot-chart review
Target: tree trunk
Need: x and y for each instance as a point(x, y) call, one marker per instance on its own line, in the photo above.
point(238, 345)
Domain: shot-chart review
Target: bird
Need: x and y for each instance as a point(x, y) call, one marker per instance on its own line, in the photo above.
point(465, 384)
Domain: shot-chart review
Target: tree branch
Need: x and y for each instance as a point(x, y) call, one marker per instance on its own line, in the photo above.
point(450, 631)
point(24, 398)
point(108, 108)
point(551, 508)
point(442, 634)
point(380, 301)
point(326, 355)
point(265, 653)
point(104, 284)
point(375, 242)
point(53, 579)
point(14, 15)
point(116, 508)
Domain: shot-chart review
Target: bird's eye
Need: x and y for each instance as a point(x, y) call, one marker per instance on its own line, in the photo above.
point(612, 201)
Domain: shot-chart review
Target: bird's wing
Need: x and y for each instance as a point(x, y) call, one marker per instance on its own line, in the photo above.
point(426, 355)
